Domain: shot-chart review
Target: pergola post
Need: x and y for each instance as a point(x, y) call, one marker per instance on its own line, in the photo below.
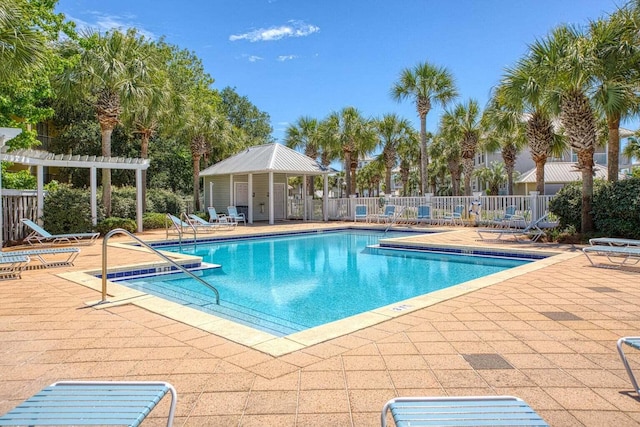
point(40, 192)
point(271, 213)
point(139, 199)
point(325, 198)
point(250, 197)
point(94, 204)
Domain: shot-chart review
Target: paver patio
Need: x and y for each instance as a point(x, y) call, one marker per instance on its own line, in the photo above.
point(547, 336)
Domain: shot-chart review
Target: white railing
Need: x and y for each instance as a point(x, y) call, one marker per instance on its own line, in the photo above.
point(476, 208)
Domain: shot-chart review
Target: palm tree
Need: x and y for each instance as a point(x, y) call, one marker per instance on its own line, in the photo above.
point(305, 134)
point(446, 147)
point(428, 85)
point(632, 149)
point(408, 151)
point(615, 52)
point(21, 46)
point(565, 67)
point(463, 124)
point(113, 71)
point(352, 134)
point(392, 131)
point(505, 131)
point(493, 176)
point(521, 93)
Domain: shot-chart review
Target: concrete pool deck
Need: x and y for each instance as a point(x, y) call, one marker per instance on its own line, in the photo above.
point(546, 335)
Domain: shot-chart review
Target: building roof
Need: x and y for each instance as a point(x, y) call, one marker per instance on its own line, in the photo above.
point(267, 158)
point(561, 172)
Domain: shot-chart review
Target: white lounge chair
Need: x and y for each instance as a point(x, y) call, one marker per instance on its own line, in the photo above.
point(633, 342)
point(454, 217)
point(235, 216)
point(532, 230)
point(41, 236)
point(461, 411)
point(613, 241)
point(203, 224)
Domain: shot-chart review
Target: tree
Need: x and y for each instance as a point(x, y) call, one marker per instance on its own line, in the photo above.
point(521, 93)
point(463, 124)
point(427, 84)
point(614, 49)
point(352, 134)
point(408, 151)
point(505, 131)
point(392, 133)
point(305, 134)
point(564, 66)
point(493, 176)
point(28, 30)
point(446, 146)
point(113, 71)
point(242, 114)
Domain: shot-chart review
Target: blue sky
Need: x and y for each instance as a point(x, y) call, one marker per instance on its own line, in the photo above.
point(295, 58)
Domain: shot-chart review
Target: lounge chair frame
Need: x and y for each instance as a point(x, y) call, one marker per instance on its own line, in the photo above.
point(41, 236)
point(204, 224)
point(361, 212)
point(11, 266)
point(633, 342)
point(42, 256)
point(460, 411)
point(233, 214)
point(92, 403)
point(618, 256)
point(532, 230)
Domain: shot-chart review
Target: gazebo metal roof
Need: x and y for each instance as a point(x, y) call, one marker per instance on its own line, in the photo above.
point(265, 158)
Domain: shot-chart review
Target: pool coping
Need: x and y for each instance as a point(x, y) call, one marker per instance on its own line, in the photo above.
point(278, 346)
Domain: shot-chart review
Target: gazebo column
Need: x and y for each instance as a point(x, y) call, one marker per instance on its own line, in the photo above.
point(94, 205)
point(40, 196)
point(250, 197)
point(231, 201)
point(325, 198)
point(304, 198)
point(139, 199)
point(271, 214)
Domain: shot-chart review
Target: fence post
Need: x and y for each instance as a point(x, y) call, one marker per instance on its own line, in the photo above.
point(533, 202)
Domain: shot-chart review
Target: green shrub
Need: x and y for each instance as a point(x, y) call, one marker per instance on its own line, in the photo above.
point(123, 202)
point(67, 210)
point(164, 201)
point(21, 180)
point(154, 220)
point(112, 223)
point(616, 207)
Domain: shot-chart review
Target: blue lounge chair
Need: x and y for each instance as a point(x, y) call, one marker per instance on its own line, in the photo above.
point(86, 403)
point(613, 241)
point(618, 256)
point(424, 213)
point(42, 236)
point(42, 255)
point(454, 217)
point(461, 411)
point(633, 342)
point(387, 215)
point(235, 216)
point(11, 266)
point(532, 230)
point(361, 213)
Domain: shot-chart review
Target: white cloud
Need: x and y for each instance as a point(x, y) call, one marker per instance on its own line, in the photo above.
point(255, 58)
point(283, 58)
point(290, 29)
point(104, 23)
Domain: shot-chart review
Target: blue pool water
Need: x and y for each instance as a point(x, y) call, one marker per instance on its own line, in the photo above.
point(290, 283)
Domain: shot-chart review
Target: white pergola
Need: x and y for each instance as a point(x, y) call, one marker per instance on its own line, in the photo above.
point(40, 159)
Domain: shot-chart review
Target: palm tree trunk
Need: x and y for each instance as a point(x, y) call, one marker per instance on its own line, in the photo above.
point(106, 173)
point(468, 171)
point(347, 172)
point(144, 153)
point(613, 151)
point(424, 157)
point(196, 183)
point(540, 176)
point(585, 161)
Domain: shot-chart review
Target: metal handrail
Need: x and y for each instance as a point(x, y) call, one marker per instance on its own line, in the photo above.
point(164, 257)
point(395, 218)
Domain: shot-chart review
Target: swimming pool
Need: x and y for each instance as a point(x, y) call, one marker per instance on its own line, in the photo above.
point(291, 283)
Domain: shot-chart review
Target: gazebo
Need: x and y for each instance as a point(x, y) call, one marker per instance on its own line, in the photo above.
point(40, 159)
point(255, 181)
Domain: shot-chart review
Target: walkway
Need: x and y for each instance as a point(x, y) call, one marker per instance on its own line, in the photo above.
point(547, 336)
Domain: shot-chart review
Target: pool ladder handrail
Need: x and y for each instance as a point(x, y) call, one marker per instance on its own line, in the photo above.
point(395, 218)
point(160, 254)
